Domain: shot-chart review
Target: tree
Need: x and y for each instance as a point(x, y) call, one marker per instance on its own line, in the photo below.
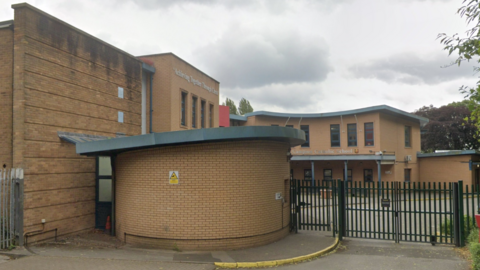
point(244, 107)
point(233, 109)
point(467, 48)
point(448, 129)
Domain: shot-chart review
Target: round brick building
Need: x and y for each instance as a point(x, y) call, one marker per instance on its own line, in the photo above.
point(223, 195)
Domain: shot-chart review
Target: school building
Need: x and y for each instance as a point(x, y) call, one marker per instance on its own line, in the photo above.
point(378, 143)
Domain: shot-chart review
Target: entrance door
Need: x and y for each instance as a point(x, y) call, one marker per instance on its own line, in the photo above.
point(103, 197)
point(477, 179)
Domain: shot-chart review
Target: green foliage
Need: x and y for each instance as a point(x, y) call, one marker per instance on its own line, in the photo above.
point(463, 103)
point(468, 225)
point(474, 248)
point(244, 107)
point(468, 49)
point(230, 103)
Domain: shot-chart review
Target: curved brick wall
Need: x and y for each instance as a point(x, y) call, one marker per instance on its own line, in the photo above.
point(225, 198)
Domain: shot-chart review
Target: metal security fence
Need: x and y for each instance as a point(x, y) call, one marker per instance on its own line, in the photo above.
point(11, 207)
point(471, 206)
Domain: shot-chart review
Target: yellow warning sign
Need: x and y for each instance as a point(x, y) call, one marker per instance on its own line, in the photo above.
point(173, 177)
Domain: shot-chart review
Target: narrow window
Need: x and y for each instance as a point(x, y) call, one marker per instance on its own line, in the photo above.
point(352, 134)
point(307, 174)
point(184, 101)
point(327, 174)
point(274, 125)
point(408, 132)
point(407, 175)
point(369, 134)
point(202, 120)
point(210, 115)
point(194, 112)
point(290, 126)
point(368, 175)
point(307, 136)
point(120, 117)
point(335, 135)
point(349, 175)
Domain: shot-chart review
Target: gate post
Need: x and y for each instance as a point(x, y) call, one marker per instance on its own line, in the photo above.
point(458, 226)
point(341, 210)
point(19, 207)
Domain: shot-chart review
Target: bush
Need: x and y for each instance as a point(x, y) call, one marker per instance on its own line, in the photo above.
point(468, 225)
point(474, 248)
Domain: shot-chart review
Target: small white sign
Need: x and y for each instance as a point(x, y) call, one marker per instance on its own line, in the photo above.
point(173, 177)
point(278, 196)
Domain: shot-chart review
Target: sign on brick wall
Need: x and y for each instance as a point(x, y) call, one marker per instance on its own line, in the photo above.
point(173, 177)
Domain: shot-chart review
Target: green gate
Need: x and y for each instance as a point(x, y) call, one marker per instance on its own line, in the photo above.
point(312, 205)
point(414, 212)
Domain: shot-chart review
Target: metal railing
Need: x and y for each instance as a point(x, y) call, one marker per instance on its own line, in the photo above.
point(11, 207)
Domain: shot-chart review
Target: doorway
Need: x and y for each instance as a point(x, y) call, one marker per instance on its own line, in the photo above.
point(103, 191)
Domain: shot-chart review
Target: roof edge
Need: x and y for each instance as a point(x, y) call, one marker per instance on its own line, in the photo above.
point(449, 153)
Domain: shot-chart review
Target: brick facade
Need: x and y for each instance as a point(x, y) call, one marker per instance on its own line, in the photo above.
point(64, 80)
point(225, 198)
point(6, 92)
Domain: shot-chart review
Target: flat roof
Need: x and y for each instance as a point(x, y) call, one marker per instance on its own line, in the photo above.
point(238, 117)
point(113, 146)
point(449, 153)
point(344, 157)
point(5, 24)
point(383, 108)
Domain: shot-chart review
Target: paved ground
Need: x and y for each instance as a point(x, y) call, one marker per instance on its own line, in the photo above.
point(86, 252)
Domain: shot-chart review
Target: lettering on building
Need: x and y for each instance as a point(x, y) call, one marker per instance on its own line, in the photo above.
point(195, 82)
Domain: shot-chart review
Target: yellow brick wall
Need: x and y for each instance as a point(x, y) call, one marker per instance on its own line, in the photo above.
point(447, 169)
point(225, 198)
point(65, 80)
point(167, 88)
point(6, 77)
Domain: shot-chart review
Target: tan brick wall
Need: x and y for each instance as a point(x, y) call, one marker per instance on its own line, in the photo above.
point(167, 88)
point(65, 80)
point(446, 169)
point(225, 198)
point(6, 98)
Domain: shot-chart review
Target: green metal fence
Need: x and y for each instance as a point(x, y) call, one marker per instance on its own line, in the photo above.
point(471, 206)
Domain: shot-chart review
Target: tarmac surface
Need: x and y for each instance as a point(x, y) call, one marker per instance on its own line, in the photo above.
point(97, 251)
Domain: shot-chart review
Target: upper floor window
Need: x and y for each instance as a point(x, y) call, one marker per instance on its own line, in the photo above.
point(307, 135)
point(194, 112)
point(352, 134)
point(290, 126)
point(335, 135)
point(327, 174)
point(408, 135)
point(184, 104)
point(274, 125)
point(369, 134)
point(202, 114)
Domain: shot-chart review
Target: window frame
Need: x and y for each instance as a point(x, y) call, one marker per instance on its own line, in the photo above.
point(194, 111)
point(306, 144)
point(365, 176)
point(349, 174)
point(408, 131)
point(210, 114)
point(203, 106)
point(409, 170)
point(183, 108)
point(325, 177)
point(366, 132)
point(332, 133)
point(350, 132)
point(305, 173)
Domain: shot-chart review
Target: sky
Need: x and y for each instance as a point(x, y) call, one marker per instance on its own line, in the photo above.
point(297, 56)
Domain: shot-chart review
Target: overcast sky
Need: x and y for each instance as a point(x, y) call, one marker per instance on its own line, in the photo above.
point(290, 55)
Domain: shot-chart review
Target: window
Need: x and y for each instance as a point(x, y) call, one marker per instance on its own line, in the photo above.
point(307, 174)
point(104, 178)
point(202, 113)
point(407, 175)
point(291, 174)
point(184, 104)
point(369, 134)
point(210, 115)
point(352, 134)
point(307, 136)
point(194, 112)
point(349, 175)
point(334, 135)
point(120, 92)
point(274, 125)
point(368, 175)
point(120, 117)
point(290, 126)
point(327, 174)
point(408, 132)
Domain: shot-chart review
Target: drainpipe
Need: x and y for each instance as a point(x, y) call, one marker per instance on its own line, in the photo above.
point(313, 173)
point(151, 109)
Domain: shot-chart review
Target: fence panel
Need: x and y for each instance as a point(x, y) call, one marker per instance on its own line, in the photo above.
point(11, 207)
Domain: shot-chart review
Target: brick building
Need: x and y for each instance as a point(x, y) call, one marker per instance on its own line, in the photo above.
point(377, 143)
